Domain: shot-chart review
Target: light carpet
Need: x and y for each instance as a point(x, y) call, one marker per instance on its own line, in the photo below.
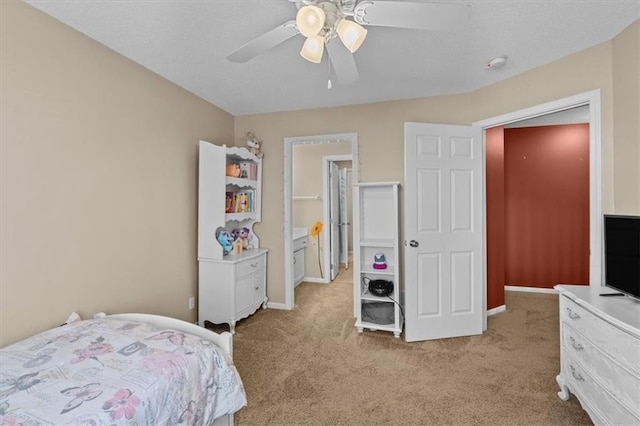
point(310, 366)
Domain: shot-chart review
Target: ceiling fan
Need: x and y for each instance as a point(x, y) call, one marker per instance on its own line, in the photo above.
point(323, 22)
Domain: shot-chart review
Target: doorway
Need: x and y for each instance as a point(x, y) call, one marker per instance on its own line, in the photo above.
point(591, 102)
point(318, 248)
point(337, 211)
point(430, 146)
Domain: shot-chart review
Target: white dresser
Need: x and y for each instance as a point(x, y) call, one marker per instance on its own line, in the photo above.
point(600, 353)
point(233, 288)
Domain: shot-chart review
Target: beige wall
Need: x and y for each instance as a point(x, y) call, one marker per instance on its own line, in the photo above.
point(626, 108)
point(380, 131)
point(98, 179)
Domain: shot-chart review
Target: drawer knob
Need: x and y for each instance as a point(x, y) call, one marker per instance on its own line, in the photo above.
point(575, 345)
point(253, 265)
point(572, 314)
point(575, 375)
point(257, 288)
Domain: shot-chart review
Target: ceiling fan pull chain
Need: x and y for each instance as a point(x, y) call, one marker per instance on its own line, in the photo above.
point(329, 73)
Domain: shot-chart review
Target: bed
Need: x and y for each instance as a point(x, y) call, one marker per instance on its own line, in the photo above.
point(121, 369)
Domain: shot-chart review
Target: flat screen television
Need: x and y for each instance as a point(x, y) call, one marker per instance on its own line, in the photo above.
point(622, 254)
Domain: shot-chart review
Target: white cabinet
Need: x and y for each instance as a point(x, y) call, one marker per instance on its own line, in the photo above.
point(298, 266)
point(600, 353)
point(376, 234)
point(232, 289)
point(300, 240)
point(231, 278)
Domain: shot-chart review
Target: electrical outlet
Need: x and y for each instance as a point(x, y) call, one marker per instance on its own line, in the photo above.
point(192, 303)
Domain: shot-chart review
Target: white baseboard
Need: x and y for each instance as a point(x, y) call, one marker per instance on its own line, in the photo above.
point(277, 305)
point(496, 310)
point(530, 289)
point(315, 280)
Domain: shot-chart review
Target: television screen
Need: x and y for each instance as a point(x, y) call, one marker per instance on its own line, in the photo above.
point(622, 253)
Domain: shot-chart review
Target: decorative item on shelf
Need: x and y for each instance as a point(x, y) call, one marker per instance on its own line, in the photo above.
point(315, 231)
point(225, 239)
point(237, 246)
point(379, 261)
point(254, 144)
point(242, 235)
point(233, 170)
point(249, 170)
point(379, 288)
point(244, 170)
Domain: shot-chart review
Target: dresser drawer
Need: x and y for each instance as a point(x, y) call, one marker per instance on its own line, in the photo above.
point(591, 393)
point(620, 382)
point(249, 266)
point(616, 343)
point(299, 243)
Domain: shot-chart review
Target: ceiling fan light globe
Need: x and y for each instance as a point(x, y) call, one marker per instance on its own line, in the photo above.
point(351, 34)
point(312, 49)
point(310, 20)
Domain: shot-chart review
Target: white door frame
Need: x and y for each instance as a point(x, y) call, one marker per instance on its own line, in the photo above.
point(592, 99)
point(289, 299)
point(326, 214)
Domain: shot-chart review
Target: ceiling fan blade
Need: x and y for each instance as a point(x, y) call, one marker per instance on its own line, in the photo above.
point(413, 15)
point(264, 42)
point(343, 62)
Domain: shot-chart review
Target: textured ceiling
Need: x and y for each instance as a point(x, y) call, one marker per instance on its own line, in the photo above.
point(187, 42)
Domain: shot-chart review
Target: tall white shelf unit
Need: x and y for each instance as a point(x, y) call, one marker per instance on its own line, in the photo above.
point(230, 286)
point(376, 230)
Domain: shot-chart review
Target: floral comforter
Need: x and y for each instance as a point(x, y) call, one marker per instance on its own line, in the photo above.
point(111, 371)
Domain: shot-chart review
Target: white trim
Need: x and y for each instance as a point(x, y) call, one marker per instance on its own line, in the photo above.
point(530, 289)
point(289, 294)
point(496, 310)
point(592, 99)
point(315, 280)
point(364, 184)
point(276, 305)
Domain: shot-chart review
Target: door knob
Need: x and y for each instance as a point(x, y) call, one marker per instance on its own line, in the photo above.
point(414, 243)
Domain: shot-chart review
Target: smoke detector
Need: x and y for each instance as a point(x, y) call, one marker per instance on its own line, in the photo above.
point(496, 62)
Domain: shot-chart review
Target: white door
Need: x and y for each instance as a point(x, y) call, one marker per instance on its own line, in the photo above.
point(334, 219)
point(344, 219)
point(444, 257)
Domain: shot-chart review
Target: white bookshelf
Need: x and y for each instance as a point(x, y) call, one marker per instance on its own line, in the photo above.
point(232, 285)
point(376, 230)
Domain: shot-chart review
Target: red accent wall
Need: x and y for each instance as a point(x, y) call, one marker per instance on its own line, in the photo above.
point(546, 193)
point(494, 138)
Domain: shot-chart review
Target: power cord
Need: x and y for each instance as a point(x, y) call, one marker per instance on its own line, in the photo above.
point(399, 306)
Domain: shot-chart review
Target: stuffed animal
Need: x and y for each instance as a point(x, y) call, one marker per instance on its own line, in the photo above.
point(233, 170)
point(225, 239)
point(242, 234)
point(254, 144)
